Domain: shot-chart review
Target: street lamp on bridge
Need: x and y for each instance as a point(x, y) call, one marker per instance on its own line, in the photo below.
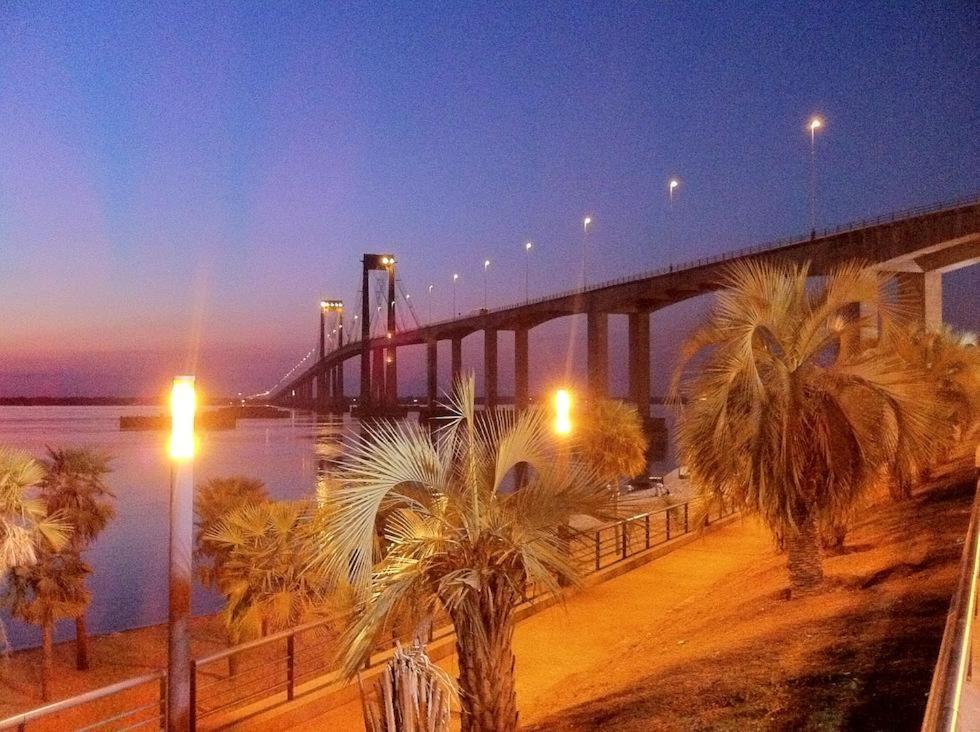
point(455, 280)
point(486, 266)
point(586, 222)
point(815, 124)
point(527, 269)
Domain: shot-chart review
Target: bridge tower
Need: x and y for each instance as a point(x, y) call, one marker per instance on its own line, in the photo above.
point(330, 383)
point(379, 385)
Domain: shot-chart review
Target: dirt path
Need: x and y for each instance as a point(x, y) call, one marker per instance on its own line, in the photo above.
point(704, 639)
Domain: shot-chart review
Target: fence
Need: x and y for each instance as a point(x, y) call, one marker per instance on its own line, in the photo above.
point(133, 704)
point(278, 668)
point(954, 666)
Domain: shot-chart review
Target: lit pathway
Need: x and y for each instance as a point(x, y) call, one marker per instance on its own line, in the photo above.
point(597, 624)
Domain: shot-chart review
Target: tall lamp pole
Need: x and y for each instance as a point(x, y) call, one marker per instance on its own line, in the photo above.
point(586, 222)
point(430, 303)
point(455, 279)
point(527, 270)
point(486, 266)
point(815, 124)
point(183, 402)
point(671, 185)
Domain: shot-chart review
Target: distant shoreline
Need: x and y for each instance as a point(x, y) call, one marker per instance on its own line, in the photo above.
point(92, 401)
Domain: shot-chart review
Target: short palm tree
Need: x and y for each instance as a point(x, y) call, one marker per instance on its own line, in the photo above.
point(609, 435)
point(74, 485)
point(214, 501)
point(264, 571)
point(951, 361)
point(25, 526)
point(51, 589)
point(456, 539)
point(782, 420)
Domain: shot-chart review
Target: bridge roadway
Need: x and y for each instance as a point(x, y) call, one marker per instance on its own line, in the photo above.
point(918, 246)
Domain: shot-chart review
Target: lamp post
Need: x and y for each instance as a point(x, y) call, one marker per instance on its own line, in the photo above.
point(182, 407)
point(815, 124)
point(563, 412)
point(455, 280)
point(430, 302)
point(527, 270)
point(585, 249)
point(671, 185)
point(486, 266)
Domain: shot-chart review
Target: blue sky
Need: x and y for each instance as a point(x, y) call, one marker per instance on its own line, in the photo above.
point(179, 180)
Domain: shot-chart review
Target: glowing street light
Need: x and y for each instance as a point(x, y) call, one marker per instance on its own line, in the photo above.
point(563, 412)
point(455, 280)
point(586, 222)
point(527, 269)
point(815, 124)
point(181, 447)
point(430, 302)
point(486, 266)
point(670, 188)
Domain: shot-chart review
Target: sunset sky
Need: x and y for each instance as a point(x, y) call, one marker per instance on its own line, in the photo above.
point(180, 186)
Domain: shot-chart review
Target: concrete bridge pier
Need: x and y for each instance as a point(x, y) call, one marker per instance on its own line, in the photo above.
point(490, 368)
point(922, 294)
point(390, 377)
point(521, 369)
point(432, 372)
point(639, 362)
point(377, 380)
point(597, 356)
point(457, 360)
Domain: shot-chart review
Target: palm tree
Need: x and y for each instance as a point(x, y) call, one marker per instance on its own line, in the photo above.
point(49, 590)
point(74, 485)
point(214, 501)
point(610, 437)
point(951, 361)
point(264, 572)
point(25, 526)
point(457, 540)
point(782, 420)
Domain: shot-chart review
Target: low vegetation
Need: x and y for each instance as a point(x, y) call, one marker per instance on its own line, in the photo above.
point(785, 420)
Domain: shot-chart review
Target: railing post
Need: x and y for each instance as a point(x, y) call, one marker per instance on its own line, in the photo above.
point(625, 525)
point(648, 530)
point(686, 527)
point(290, 666)
point(598, 550)
point(667, 515)
point(193, 697)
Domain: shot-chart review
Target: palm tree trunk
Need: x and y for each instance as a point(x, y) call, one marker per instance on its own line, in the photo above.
point(47, 653)
point(81, 643)
point(803, 556)
point(486, 667)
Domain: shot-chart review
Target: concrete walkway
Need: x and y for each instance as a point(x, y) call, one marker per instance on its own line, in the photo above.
point(600, 623)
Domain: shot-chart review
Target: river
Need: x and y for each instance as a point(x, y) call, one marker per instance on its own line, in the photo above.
point(129, 560)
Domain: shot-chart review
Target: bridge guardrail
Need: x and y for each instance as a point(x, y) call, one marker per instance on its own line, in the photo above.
point(954, 665)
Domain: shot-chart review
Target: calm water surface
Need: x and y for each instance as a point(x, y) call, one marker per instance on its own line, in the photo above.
point(129, 581)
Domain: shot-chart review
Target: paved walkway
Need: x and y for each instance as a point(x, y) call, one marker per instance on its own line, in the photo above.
point(560, 642)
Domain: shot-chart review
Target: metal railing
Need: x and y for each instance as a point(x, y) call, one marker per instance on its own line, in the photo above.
point(270, 671)
point(133, 704)
point(954, 666)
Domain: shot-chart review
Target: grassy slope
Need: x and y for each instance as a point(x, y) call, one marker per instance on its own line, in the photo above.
point(859, 656)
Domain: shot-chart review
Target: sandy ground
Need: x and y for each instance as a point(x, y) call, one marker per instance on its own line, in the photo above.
point(706, 639)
